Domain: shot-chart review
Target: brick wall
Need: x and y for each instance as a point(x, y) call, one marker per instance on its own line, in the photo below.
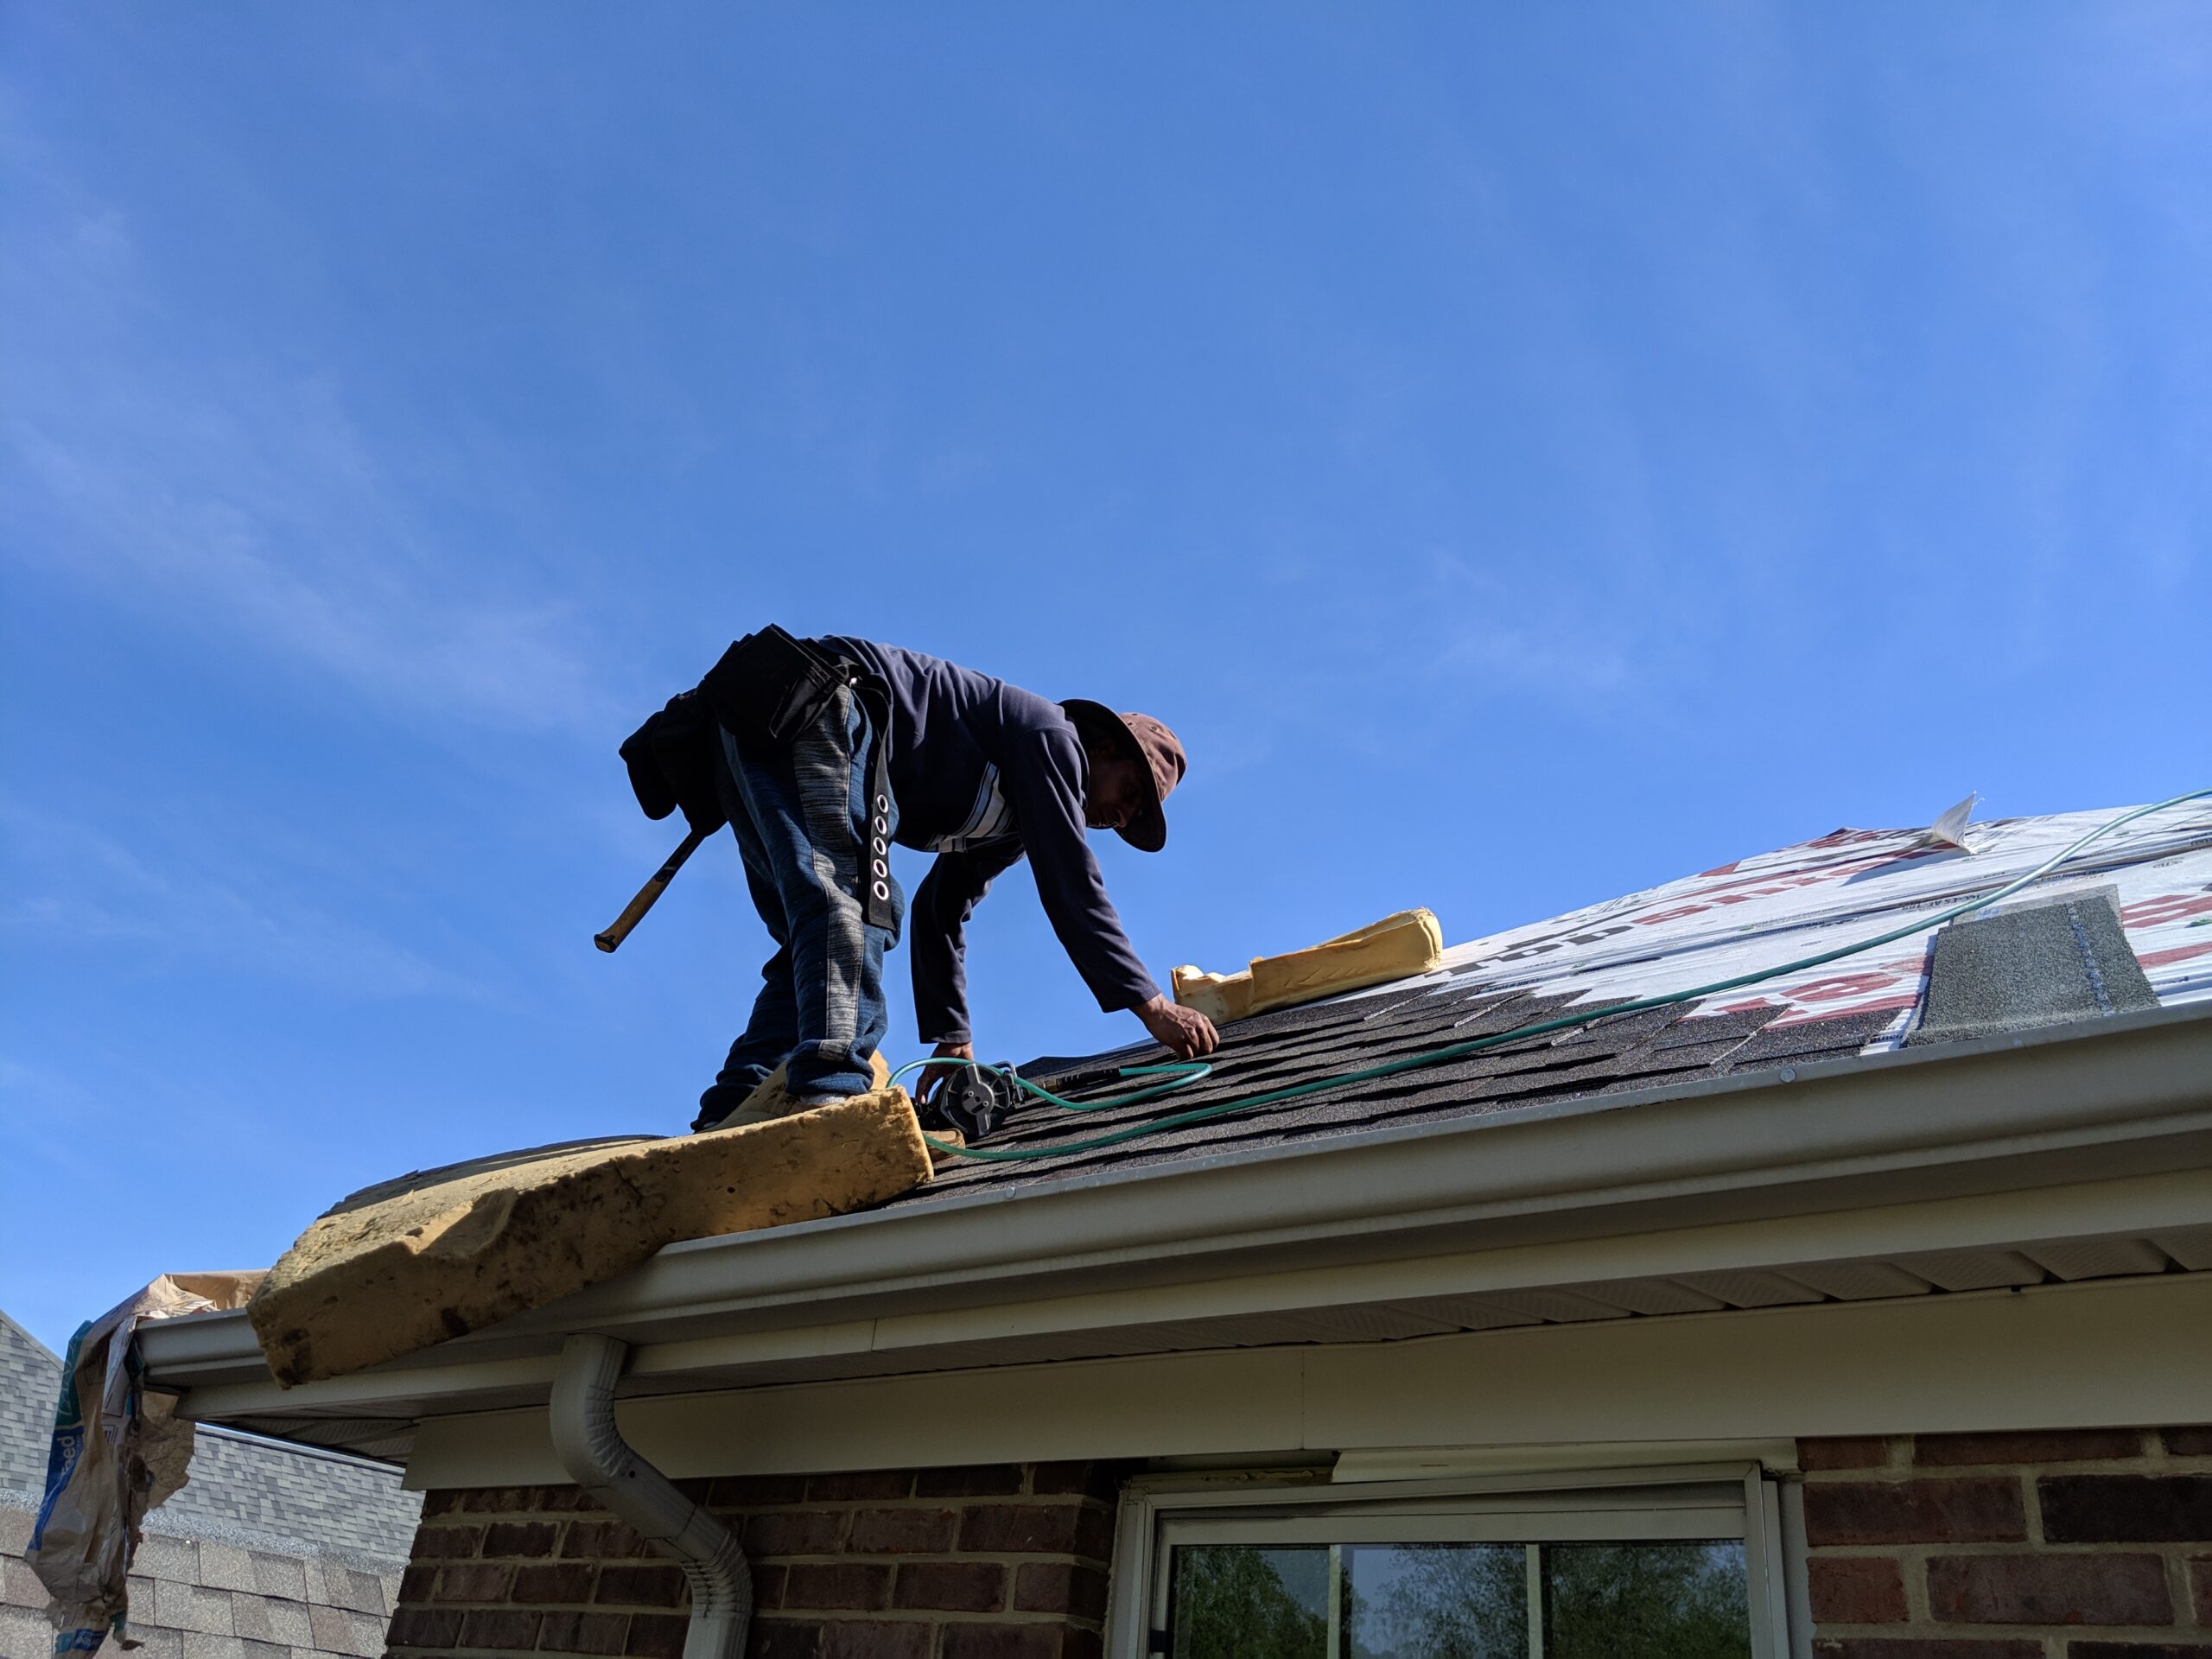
point(2091, 1544)
point(1004, 1562)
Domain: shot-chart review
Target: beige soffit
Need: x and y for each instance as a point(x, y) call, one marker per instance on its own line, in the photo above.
point(2099, 1354)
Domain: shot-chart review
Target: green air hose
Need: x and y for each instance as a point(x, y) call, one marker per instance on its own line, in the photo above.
point(1180, 1074)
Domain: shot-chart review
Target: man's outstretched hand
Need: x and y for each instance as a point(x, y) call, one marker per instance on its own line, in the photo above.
point(1185, 1032)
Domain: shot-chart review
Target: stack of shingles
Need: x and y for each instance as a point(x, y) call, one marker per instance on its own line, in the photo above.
point(1304, 1044)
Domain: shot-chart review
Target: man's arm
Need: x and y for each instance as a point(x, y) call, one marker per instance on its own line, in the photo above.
point(937, 924)
point(1043, 784)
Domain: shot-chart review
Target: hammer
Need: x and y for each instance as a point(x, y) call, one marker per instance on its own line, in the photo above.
point(635, 912)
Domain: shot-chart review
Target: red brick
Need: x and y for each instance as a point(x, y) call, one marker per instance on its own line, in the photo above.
point(2053, 1445)
point(424, 1627)
point(756, 1491)
point(657, 1636)
point(2126, 1509)
point(1063, 1529)
point(795, 1532)
point(861, 1486)
point(472, 1581)
point(1001, 1642)
point(440, 1502)
point(1922, 1647)
point(1101, 1479)
point(1856, 1590)
point(446, 1543)
point(876, 1639)
point(602, 1540)
point(640, 1584)
point(1083, 1644)
point(574, 1632)
point(1060, 1587)
point(1844, 1452)
point(1974, 1509)
point(501, 1500)
point(2138, 1651)
point(845, 1586)
point(785, 1638)
point(979, 1480)
point(2195, 1442)
point(535, 1539)
point(414, 1583)
point(2048, 1588)
point(513, 1629)
point(554, 1584)
point(902, 1532)
point(951, 1587)
point(768, 1587)
point(2200, 1588)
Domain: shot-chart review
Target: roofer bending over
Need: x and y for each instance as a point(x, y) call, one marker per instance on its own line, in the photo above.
point(976, 771)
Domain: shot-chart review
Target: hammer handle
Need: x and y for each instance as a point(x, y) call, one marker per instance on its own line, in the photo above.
point(635, 912)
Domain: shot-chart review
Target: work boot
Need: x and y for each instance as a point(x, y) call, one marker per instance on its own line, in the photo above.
point(772, 1100)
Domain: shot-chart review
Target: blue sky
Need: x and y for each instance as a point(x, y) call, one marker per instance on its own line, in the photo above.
point(1529, 453)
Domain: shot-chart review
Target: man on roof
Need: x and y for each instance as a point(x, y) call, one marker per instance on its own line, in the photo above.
point(884, 744)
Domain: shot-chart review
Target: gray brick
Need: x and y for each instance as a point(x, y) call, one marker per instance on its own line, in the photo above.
point(226, 1567)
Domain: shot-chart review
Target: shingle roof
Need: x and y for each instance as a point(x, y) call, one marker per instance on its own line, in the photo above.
point(1752, 914)
point(29, 1378)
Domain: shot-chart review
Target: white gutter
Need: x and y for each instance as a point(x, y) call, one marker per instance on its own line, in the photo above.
point(591, 1448)
point(2123, 1097)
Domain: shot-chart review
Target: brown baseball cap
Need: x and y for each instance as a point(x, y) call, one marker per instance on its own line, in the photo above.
point(1158, 752)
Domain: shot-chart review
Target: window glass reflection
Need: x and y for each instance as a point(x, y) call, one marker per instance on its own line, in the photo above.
point(1235, 1602)
point(1461, 1601)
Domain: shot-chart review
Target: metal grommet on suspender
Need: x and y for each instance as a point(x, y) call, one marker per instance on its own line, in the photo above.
point(875, 878)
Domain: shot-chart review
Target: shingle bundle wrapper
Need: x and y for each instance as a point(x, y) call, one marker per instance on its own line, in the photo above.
point(1397, 947)
point(382, 1276)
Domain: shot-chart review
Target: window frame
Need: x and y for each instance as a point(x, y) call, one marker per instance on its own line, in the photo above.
point(1595, 1505)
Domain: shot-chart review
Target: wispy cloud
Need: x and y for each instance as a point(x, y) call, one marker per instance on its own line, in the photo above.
point(81, 888)
point(240, 501)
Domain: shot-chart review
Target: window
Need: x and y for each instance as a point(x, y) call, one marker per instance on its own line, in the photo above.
point(1665, 1564)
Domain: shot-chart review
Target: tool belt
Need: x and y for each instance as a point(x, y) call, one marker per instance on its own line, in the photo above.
point(767, 689)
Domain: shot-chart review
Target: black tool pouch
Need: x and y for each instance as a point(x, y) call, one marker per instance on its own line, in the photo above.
point(671, 762)
point(769, 687)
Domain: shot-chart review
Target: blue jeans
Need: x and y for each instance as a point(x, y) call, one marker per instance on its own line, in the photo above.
point(800, 816)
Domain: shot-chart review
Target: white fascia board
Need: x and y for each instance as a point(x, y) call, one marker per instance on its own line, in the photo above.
point(2119, 1098)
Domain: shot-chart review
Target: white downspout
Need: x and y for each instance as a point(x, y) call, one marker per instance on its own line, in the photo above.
point(592, 1449)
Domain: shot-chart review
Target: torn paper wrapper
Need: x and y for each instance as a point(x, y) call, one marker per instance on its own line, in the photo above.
point(117, 1453)
point(1397, 947)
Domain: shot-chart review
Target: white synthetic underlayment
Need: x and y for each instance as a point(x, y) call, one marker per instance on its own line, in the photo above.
point(1801, 901)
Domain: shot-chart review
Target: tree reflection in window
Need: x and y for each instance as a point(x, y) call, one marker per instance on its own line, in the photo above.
point(1645, 1601)
point(1462, 1601)
point(1234, 1602)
